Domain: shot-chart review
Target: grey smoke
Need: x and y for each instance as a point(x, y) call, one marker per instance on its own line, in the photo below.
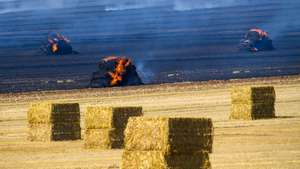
point(178, 5)
point(282, 21)
point(113, 5)
point(135, 4)
point(182, 5)
point(7, 6)
point(145, 73)
point(275, 25)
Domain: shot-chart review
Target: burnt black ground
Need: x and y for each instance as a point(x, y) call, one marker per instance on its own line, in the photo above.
point(166, 45)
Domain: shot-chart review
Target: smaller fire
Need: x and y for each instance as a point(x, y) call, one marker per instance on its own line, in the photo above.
point(57, 44)
point(54, 48)
point(260, 32)
point(256, 40)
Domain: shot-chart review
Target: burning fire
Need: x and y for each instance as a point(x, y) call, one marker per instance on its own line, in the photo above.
point(120, 69)
point(54, 47)
point(53, 42)
point(260, 32)
point(115, 71)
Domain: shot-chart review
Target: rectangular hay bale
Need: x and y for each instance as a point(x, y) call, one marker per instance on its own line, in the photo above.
point(158, 160)
point(252, 111)
point(253, 94)
point(99, 117)
point(39, 132)
point(103, 139)
point(169, 135)
point(48, 112)
point(252, 102)
point(53, 132)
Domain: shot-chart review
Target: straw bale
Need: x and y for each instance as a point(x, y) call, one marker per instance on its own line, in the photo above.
point(169, 135)
point(253, 94)
point(53, 132)
point(103, 139)
point(39, 132)
point(252, 111)
point(158, 160)
point(110, 117)
point(47, 112)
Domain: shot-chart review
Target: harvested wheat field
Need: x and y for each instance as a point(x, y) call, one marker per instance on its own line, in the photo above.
point(272, 143)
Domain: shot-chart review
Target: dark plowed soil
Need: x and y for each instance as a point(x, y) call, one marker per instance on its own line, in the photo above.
point(167, 45)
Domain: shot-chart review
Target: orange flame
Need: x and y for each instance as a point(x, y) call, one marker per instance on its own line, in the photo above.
point(260, 32)
point(120, 69)
point(54, 47)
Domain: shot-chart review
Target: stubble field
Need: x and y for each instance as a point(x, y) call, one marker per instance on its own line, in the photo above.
point(258, 144)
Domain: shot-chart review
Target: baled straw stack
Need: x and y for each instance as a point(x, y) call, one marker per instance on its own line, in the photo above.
point(105, 126)
point(98, 117)
point(249, 103)
point(167, 143)
point(53, 121)
point(169, 135)
point(253, 94)
point(103, 138)
point(52, 132)
point(40, 132)
point(47, 112)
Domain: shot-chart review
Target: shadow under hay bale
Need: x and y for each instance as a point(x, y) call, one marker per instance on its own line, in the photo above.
point(105, 126)
point(53, 121)
point(169, 135)
point(168, 143)
point(250, 103)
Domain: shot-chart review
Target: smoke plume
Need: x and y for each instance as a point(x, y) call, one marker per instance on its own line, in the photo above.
point(114, 5)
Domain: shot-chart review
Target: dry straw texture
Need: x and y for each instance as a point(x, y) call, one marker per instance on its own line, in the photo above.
point(110, 117)
point(105, 126)
point(169, 135)
point(53, 121)
point(253, 94)
point(250, 103)
point(252, 112)
point(53, 132)
point(158, 160)
point(103, 139)
point(39, 132)
point(47, 112)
